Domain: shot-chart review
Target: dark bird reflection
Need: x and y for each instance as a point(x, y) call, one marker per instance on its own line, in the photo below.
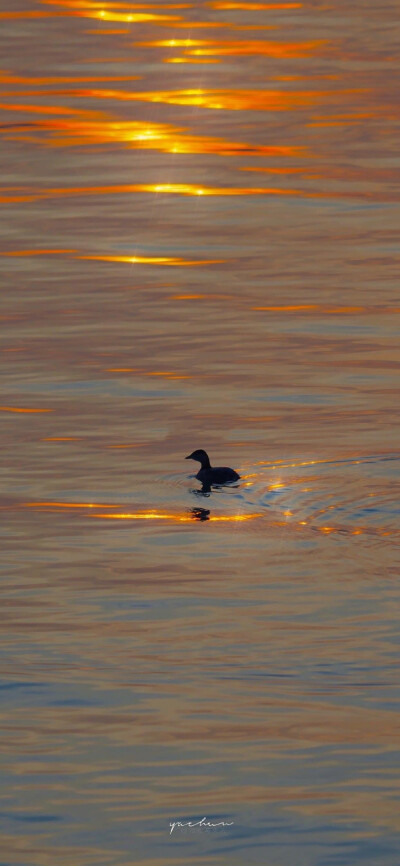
point(200, 513)
point(205, 490)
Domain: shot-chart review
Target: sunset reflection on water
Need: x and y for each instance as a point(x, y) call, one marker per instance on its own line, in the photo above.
point(200, 250)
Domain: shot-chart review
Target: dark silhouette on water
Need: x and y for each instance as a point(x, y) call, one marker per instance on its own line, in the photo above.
point(212, 475)
point(200, 513)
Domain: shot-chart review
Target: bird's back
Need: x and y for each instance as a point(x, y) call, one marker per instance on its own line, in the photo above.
point(218, 475)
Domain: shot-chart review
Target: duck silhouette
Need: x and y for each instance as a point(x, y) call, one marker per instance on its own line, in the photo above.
point(211, 474)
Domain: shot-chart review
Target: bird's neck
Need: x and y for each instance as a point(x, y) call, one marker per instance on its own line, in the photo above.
point(205, 463)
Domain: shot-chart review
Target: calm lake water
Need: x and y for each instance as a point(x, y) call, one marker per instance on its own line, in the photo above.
point(200, 249)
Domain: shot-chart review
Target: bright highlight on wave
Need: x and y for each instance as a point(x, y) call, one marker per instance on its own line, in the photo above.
point(177, 518)
point(87, 130)
point(226, 99)
point(237, 47)
point(171, 261)
point(189, 189)
point(87, 10)
point(168, 261)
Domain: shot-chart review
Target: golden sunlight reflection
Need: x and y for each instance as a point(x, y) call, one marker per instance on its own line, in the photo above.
point(32, 81)
point(126, 445)
point(186, 189)
point(141, 135)
point(114, 12)
point(178, 518)
point(226, 99)
point(107, 6)
point(283, 50)
point(238, 47)
point(170, 261)
point(283, 464)
point(190, 60)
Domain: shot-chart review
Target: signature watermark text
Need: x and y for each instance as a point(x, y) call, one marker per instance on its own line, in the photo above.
point(203, 824)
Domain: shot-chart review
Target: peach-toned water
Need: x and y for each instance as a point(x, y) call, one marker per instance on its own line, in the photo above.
point(199, 250)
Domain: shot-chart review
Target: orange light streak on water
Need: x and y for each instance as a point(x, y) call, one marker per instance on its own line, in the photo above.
point(190, 190)
point(174, 43)
point(189, 60)
point(177, 518)
point(263, 48)
point(213, 25)
point(96, 5)
point(330, 310)
point(7, 78)
point(228, 100)
point(251, 7)
point(46, 109)
point(65, 505)
point(22, 409)
point(61, 439)
point(164, 373)
point(123, 17)
point(127, 445)
point(108, 32)
point(141, 135)
point(22, 253)
point(129, 17)
point(132, 260)
point(153, 260)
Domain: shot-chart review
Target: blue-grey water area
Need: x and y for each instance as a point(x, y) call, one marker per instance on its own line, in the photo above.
point(199, 249)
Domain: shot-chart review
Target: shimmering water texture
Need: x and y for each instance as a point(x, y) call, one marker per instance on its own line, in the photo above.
point(200, 249)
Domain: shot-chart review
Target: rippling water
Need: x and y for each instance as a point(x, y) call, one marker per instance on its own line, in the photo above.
point(200, 250)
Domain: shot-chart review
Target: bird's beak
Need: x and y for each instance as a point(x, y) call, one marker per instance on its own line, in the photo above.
point(188, 457)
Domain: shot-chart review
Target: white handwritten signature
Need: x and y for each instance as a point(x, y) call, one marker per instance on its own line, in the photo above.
point(202, 823)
